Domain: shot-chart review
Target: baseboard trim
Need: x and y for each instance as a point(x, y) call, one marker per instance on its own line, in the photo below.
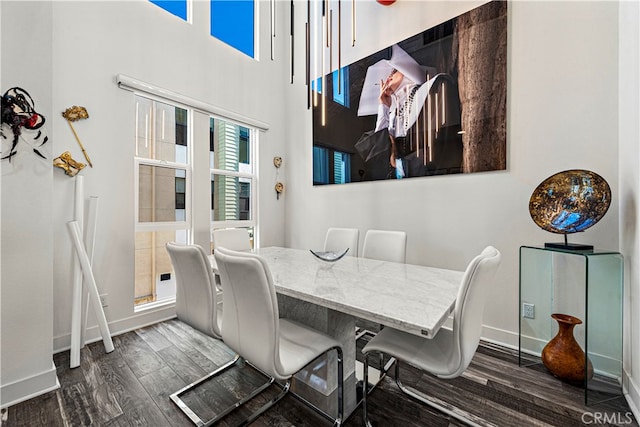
point(118, 327)
point(632, 394)
point(30, 387)
point(500, 337)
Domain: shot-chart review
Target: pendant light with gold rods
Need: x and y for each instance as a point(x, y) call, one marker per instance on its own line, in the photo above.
point(292, 46)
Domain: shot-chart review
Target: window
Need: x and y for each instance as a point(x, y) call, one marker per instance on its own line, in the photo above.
point(167, 157)
point(233, 175)
point(339, 87)
point(341, 167)
point(178, 8)
point(233, 23)
point(162, 193)
point(330, 166)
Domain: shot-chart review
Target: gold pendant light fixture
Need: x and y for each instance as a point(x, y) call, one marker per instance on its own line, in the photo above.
point(353, 23)
point(325, 43)
point(307, 44)
point(291, 40)
point(272, 12)
point(339, 46)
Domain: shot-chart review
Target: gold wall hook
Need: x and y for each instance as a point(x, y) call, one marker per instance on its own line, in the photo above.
point(277, 162)
point(279, 189)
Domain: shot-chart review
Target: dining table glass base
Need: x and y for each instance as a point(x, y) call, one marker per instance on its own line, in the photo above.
point(317, 383)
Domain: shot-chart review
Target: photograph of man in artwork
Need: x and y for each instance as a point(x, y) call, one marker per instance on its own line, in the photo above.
point(417, 112)
point(461, 126)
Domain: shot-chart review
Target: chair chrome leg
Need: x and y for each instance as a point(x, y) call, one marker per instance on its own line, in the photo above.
point(336, 422)
point(339, 418)
point(175, 397)
point(440, 405)
point(365, 387)
point(269, 404)
point(241, 402)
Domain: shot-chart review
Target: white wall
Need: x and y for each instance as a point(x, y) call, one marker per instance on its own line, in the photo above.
point(629, 106)
point(26, 294)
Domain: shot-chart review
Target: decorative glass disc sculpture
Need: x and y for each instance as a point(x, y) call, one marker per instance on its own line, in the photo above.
point(569, 202)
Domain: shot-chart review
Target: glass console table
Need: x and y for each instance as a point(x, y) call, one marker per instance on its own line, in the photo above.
point(587, 285)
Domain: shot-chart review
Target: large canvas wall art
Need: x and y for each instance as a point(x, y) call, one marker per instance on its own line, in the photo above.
point(432, 104)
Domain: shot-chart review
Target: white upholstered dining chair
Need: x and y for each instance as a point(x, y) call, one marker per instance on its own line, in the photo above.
point(338, 239)
point(198, 304)
point(252, 327)
point(385, 245)
point(236, 239)
point(449, 353)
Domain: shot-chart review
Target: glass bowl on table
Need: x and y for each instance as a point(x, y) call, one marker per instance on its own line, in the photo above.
point(329, 256)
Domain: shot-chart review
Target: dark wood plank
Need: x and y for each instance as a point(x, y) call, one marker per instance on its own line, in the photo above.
point(120, 421)
point(389, 407)
point(140, 357)
point(527, 381)
point(153, 338)
point(208, 361)
point(536, 385)
point(76, 395)
point(105, 404)
point(212, 348)
point(182, 365)
point(137, 406)
point(41, 411)
point(160, 384)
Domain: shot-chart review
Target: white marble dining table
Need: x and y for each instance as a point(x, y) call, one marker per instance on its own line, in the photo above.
point(413, 298)
point(331, 295)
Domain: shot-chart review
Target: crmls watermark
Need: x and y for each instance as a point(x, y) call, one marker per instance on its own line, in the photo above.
point(616, 418)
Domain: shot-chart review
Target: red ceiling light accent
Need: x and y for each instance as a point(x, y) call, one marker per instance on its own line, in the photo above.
point(386, 2)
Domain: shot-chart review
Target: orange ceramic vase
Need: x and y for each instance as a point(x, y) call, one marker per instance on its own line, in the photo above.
point(563, 356)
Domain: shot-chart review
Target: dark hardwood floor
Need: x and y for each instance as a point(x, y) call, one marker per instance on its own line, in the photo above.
point(131, 386)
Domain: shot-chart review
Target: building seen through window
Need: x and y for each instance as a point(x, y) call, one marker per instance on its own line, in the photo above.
point(162, 194)
point(330, 166)
point(233, 175)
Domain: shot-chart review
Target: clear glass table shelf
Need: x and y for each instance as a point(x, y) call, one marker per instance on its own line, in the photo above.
point(584, 284)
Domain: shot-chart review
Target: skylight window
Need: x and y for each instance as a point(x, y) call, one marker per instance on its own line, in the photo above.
point(175, 7)
point(233, 23)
